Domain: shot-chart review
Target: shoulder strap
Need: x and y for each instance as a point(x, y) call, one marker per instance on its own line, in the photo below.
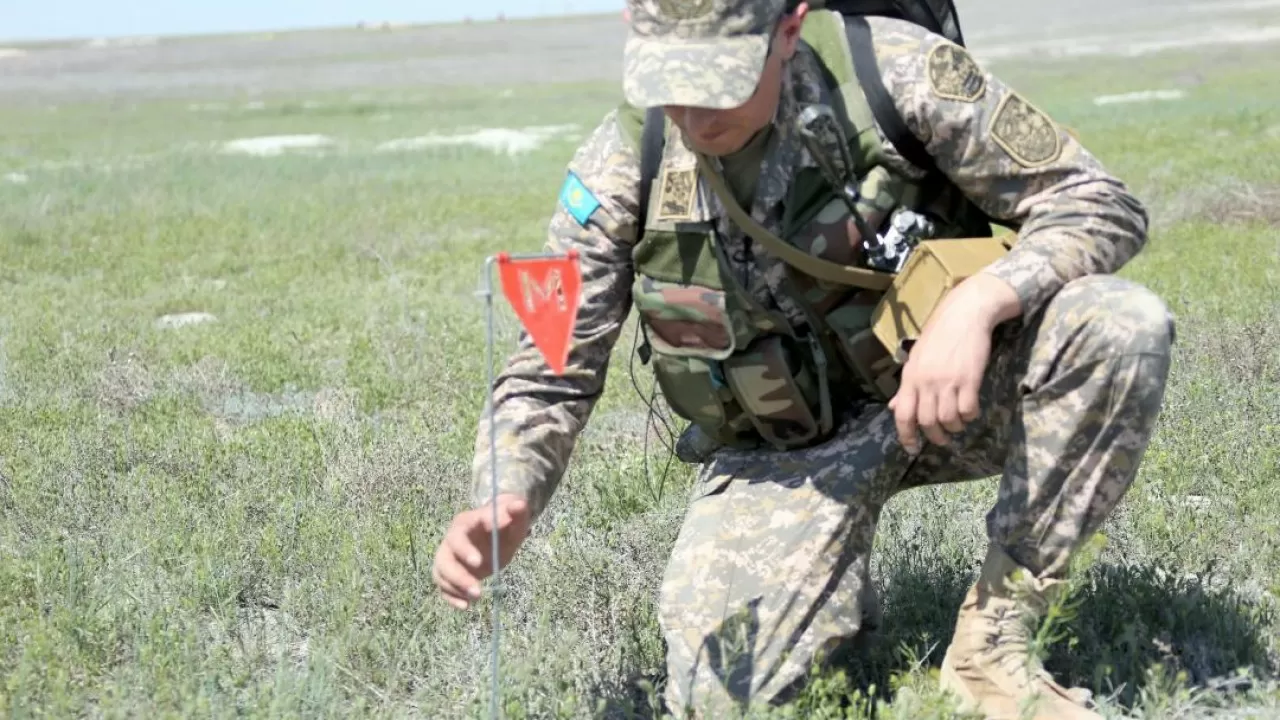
point(868, 70)
point(651, 144)
point(790, 254)
point(895, 129)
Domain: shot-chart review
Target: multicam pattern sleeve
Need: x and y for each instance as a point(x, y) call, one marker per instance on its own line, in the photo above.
point(539, 414)
point(1014, 162)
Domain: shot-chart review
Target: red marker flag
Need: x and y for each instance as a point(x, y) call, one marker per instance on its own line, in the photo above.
point(544, 293)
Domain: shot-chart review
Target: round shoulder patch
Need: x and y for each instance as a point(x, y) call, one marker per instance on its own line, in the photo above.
point(954, 75)
point(1025, 132)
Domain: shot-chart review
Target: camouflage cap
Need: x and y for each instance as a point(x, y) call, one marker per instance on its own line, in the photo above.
point(698, 53)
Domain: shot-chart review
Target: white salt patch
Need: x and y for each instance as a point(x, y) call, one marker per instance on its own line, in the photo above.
point(507, 140)
point(276, 144)
point(1219, 7)
point(11, 53)
point(178, 320)
point(1233, 35)
point(16, 178)
point(122, 42)
point(1139, 96)
point(1129, 46)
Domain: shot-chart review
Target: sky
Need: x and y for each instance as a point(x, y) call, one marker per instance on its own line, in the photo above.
point(37, 20)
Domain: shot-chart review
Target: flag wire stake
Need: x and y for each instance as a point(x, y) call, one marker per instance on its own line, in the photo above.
point(487, 292)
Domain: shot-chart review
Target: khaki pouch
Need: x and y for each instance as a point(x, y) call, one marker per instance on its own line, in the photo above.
point(933, 270)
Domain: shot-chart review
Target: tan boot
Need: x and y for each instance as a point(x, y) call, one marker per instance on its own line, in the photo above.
point(990, 664)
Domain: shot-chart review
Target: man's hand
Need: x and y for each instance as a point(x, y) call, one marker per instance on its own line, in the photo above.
point(943, 374)
point(465, 556)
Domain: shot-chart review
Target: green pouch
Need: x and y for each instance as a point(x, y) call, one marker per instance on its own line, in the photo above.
point(778, 391)
point(872, 366)
point(685, 320)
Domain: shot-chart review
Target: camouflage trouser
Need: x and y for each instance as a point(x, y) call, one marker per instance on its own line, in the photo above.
point(770, 565)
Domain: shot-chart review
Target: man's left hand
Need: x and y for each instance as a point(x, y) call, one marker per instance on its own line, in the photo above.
point(943, 373)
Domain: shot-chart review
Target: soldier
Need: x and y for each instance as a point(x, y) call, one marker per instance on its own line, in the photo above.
point(1045, 368)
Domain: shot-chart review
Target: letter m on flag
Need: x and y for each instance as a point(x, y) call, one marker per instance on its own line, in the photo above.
point(544, 291)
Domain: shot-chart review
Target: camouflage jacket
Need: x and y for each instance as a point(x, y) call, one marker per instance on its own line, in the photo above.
point(1073, 219)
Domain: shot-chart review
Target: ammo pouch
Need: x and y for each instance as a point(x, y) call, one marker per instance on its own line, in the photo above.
point(772, 392)
point(722, 361)
point(872, 367)
point(780, 387)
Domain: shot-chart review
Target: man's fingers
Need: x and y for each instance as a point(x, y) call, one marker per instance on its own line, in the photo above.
point(904, 417)
point(453, 593)
point(967, 403)
point(927, 417)
point(512, 512)
point(948, 411)
point(509, 512)
point(454, 575)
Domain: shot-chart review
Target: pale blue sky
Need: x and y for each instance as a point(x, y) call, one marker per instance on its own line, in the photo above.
point(37, 19)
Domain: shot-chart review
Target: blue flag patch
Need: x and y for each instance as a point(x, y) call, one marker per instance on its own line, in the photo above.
point(577, 199)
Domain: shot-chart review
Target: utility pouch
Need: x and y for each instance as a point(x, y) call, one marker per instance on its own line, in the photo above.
point(934, 268)
point(785, 397)
point(872, 367)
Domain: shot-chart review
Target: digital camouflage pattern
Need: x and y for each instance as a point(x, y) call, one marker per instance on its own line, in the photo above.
point(699, 53)
point(1075, 218)
point(774, 552)
point(772, 558)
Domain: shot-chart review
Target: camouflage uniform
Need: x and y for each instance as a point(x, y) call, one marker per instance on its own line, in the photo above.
point(770, 568)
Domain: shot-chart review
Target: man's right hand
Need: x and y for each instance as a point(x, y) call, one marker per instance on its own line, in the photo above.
point(465, 555)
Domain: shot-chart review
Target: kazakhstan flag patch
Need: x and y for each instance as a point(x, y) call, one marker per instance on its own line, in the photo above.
point(577, 199)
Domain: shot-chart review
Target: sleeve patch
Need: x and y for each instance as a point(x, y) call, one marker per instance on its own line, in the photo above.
point(577, 199)
point(954, 75)
point(1025, 132)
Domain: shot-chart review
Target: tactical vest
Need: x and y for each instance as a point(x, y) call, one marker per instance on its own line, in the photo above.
point(744, 373)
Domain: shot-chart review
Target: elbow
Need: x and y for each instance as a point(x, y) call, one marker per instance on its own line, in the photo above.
point(1134, 215)
point(1108, 213)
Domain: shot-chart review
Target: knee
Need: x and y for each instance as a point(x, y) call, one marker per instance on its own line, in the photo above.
point(1118, 316)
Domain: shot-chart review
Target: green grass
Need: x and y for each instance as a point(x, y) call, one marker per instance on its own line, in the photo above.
point(239, 517)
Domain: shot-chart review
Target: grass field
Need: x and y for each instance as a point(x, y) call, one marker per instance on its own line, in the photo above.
point(237, 517)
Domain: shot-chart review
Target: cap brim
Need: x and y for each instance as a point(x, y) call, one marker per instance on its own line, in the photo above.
point(719, 74)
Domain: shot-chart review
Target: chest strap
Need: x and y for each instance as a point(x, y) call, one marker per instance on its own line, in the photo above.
point(788, 253)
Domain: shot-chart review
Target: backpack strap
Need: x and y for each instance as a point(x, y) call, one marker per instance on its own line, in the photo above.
point(976, 222)
point(652, 140)
point(886, 113)
point(651, 145)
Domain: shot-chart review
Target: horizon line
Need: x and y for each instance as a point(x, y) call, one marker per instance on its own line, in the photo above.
point(368, 26)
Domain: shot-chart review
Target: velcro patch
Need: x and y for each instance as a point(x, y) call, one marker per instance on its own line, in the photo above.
point(954, 74)
point(1025, 132)
point(677, 194)
point(577, 199)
